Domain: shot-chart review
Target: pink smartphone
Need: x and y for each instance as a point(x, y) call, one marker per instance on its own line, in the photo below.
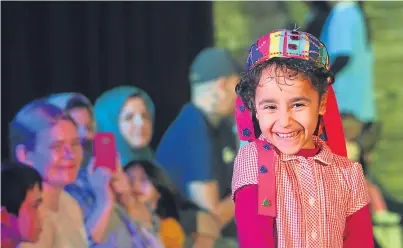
point(105, 150)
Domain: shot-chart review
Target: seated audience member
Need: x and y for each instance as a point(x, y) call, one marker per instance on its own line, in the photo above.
point(147, 189)
point(21, 200)
point(199, 147)
point(99, 190)
point(128, 112)
point(80, 109)
point(108, 223)
point(43, 137)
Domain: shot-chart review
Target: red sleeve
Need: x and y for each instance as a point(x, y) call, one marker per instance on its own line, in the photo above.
point(254, 230)
point(358, 230)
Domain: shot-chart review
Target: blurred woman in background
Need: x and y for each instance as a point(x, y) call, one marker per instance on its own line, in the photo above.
point(80, 108)
point(108, 223)
point(129, 113)
point(44, 137)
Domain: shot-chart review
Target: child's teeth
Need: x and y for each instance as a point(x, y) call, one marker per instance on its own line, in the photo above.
point(287, 135)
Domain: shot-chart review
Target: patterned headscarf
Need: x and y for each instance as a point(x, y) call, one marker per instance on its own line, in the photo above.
point(294, 44)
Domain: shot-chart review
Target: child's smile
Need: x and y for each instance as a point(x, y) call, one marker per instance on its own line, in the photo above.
point(287, 109)
point(288, 136)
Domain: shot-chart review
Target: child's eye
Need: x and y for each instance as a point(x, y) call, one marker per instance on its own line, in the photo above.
point(271, 107)
point(298, 105)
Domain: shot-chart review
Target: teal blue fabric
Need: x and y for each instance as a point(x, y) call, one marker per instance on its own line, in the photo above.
point(345, 33)
point(106, 111)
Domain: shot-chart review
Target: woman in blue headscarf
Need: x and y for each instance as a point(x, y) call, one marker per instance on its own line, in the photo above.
point(128, 113)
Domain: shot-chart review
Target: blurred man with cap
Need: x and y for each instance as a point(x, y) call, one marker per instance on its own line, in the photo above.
point(199, 147)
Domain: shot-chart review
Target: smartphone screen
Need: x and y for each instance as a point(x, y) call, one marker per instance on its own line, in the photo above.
point(105, 150)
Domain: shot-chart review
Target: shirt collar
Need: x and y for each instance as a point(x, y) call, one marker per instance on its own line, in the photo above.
point(325, 155)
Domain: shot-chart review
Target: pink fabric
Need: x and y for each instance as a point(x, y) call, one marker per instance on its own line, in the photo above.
point(254, 230)
point(358, 231)
point(266, 179)
point(244, 122)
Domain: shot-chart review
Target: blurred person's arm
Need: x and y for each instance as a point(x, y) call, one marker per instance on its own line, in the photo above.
point(377, 201)
point(341, 38)
point(96, 218)
point(206, 196)
point(208, 230)
point(98, 221)
point(226, 210)
point(203, 188)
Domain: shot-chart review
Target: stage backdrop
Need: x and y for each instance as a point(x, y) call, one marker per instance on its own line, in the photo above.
point(90, 47)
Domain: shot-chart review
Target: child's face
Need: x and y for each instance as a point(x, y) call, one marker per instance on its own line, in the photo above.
point(30, 215)
point(28, 225)
point(141, 186)
point(288, 110)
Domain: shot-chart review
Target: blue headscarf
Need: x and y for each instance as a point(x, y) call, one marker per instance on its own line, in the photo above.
point(107, 110)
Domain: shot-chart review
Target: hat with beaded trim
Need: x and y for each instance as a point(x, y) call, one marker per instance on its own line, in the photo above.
point(301, 45)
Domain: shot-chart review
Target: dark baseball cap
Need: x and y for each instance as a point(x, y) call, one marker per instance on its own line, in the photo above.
point(212, 63)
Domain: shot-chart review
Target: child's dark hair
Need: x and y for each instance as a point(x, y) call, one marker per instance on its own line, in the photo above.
point(291, 68)
point(16, 180)
point(167, 205)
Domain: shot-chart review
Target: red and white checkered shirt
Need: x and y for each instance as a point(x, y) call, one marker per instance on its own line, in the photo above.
point(315, 195)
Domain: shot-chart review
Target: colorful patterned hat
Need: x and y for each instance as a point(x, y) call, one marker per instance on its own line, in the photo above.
point(288, 44)
point(294, 44)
